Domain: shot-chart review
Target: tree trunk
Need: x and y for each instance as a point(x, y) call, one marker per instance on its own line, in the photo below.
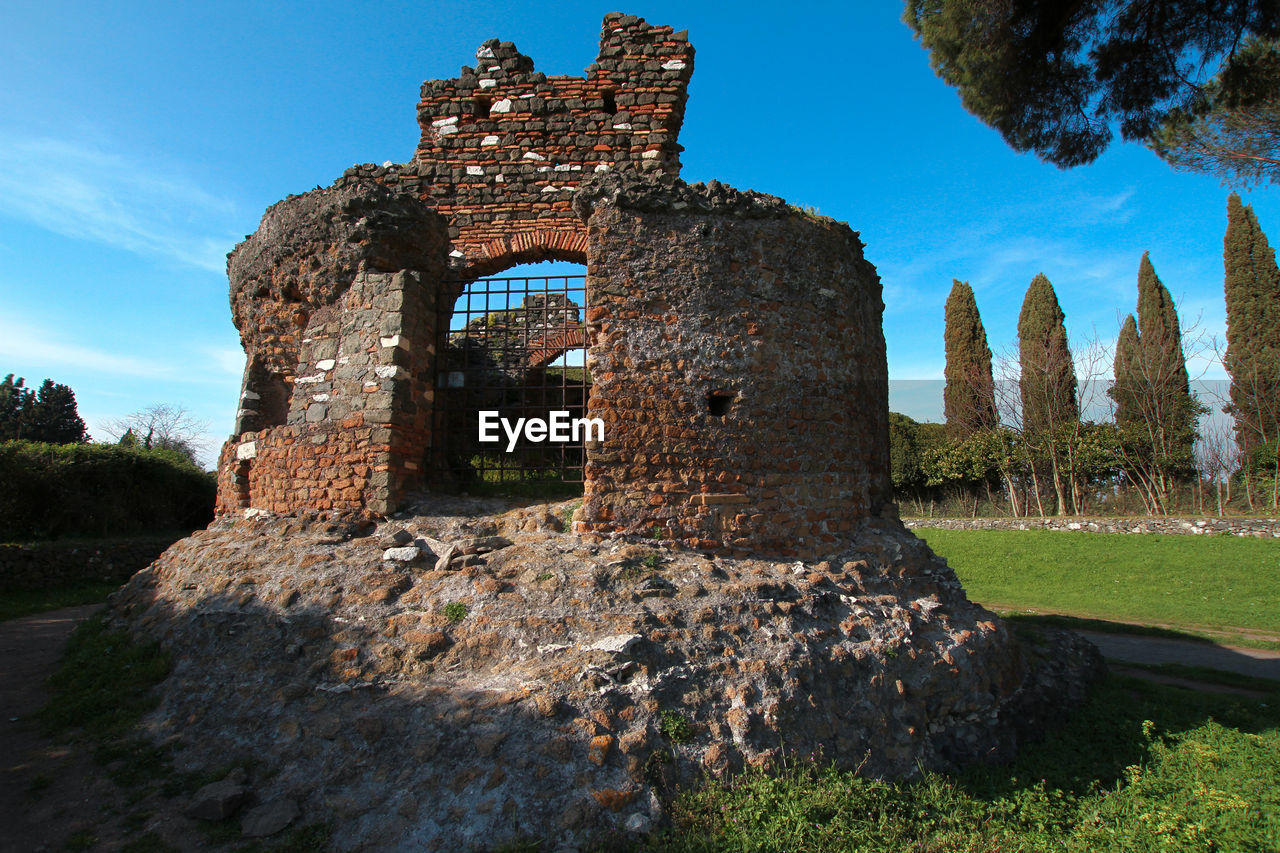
point(1035, 487)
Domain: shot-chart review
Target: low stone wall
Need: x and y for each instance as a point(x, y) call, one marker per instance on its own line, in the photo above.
point(50, 564)
point(1259, 528)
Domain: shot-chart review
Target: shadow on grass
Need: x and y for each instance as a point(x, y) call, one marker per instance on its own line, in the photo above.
point(1076, 623)
point(1104, 735)
point(1157, 646)
point(18, 603)
point(1091, 750)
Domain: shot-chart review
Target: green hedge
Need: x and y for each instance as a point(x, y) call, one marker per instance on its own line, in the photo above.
point(49, 491)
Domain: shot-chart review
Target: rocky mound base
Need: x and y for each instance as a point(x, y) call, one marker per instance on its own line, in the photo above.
point(461, 676)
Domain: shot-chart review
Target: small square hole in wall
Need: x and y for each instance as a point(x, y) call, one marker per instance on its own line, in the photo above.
point(610, 105)
point(482, 105)
point(719, 402)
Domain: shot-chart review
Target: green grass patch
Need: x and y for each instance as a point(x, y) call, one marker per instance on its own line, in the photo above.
point(1225, 582)
point(1140, 766)
point(547, 488)
point(566, 514)
point(103, 684)
point(579, 375)
point(17, 603)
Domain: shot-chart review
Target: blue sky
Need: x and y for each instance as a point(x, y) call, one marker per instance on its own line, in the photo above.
point(140, 141)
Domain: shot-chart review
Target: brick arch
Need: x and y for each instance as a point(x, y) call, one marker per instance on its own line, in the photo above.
point(524, 247)
point(498, 255)
point(549, 348)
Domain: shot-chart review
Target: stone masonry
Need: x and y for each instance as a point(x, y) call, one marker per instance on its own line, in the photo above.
point(724, 324)
point(504, 147)
point(466, 678)
point(329, 295)
point(719, 322)
point(332, 416)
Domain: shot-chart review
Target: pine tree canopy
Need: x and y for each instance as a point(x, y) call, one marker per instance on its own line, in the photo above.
point(1232, 130)
point(54, 417)
point(1048, 379)
point(15, 403)
point(969, 396)
point(48, 414)
point(1252, 286)
point(1053, 76)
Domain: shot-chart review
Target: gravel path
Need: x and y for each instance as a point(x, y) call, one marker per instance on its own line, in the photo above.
point(1135, 648)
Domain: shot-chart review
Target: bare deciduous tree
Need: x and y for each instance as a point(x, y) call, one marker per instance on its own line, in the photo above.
point(163, 426)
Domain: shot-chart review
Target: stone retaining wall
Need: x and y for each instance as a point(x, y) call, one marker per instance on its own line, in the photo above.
point(43, 565)
point(453, 680)
point(1260, 528)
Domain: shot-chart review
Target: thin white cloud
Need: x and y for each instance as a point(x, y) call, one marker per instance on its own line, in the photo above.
point(27, 344)
point(22, 343)
point(226, 360)
point(89, 193)
point(1090, 209)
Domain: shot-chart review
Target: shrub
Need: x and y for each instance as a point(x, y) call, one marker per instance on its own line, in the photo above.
point(49, 491)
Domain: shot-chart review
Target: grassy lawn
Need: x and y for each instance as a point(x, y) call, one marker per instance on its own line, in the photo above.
point(1217, 582)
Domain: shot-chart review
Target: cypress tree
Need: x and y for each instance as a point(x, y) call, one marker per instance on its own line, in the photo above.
point(1253, 328)
point(1048, 377)
point(1125, 390)
point(1173, 411)
point(1155, 411)
point(969, 397)
point(1151, 384)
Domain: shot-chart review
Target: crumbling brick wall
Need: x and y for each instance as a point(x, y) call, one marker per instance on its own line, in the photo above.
point(305, 254)
point(331, 417)
point(504, 147)
point(739, 368)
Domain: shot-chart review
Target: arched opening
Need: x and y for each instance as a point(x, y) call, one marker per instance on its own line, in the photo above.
point(512, 383)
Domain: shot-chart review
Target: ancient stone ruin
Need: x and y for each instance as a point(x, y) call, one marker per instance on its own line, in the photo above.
point(719, 323)
point(432, 671)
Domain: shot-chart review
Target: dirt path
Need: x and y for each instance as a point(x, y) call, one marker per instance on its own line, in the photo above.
point(48, 792)
point(1135, 648)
